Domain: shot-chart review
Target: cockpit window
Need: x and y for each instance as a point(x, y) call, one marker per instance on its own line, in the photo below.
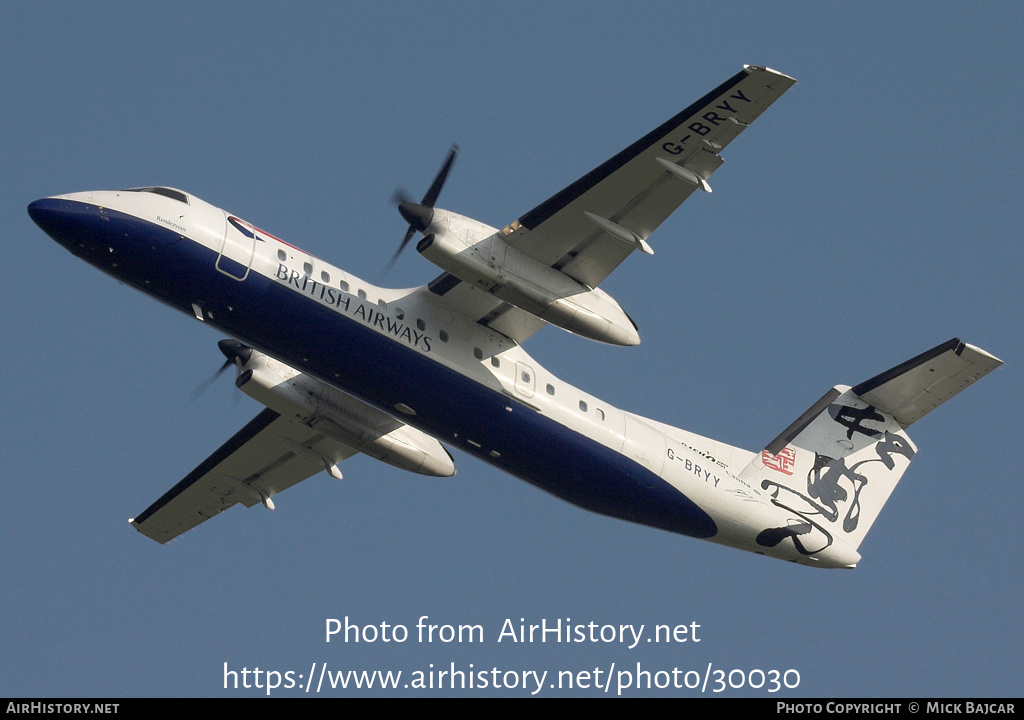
point(165, 191)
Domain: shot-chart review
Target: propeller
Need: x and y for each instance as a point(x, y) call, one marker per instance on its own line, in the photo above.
point(419, 215)
point(235, 352)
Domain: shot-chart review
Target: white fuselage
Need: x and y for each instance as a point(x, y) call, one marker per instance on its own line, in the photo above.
point(391, 348)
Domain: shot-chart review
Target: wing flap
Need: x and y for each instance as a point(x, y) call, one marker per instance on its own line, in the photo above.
point(463, 299)
point(269, 455)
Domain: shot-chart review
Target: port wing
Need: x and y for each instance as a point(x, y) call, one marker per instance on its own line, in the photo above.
point(270, 454)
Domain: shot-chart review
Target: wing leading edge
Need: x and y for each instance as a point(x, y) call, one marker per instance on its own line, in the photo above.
point(270, 454)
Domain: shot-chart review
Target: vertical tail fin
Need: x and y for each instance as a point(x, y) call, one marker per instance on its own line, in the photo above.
point(835, 467)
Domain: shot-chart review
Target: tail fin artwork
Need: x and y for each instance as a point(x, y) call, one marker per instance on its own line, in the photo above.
point(835, 467)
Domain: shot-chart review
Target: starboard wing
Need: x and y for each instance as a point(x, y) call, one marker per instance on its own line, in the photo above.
point(642, 185)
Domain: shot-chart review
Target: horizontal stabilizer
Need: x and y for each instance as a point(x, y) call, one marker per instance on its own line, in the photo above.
point(910, 391)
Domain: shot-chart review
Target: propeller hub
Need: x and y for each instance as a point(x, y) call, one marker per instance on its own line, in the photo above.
point(418, 216)
point(234, 350)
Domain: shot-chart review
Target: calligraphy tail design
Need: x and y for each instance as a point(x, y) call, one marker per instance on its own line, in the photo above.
point(834, 468)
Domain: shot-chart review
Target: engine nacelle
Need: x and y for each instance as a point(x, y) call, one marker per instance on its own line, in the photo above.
point(341, 416)
point(494, 266)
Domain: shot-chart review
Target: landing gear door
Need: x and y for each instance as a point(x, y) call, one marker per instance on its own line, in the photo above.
point(238, 247)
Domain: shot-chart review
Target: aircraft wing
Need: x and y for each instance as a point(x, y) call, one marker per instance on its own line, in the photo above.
point(270, 454)
point(637, 189)
point(587, 229)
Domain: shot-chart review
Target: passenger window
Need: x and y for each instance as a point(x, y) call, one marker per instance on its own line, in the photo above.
point(478, 353)
point(307, 268)
point(525, 377)
point(399, 313)
point(443, 335)
point(361, 294)
point(282, 255)
point(551, 389)
point(495, 361)
point(583, 406)
point(325, 276)
point(420, 324)
point(343, 285)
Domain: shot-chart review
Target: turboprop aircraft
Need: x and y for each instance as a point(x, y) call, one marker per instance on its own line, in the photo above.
point(343, 366)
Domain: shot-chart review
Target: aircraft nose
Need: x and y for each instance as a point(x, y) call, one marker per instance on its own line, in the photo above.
point(43, 211)
point(58, 217)
point(49, 213)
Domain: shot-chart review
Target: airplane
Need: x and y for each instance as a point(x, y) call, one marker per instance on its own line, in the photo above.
point(344, 366)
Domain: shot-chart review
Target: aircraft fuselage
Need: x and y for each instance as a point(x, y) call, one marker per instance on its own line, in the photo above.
point(401, 352)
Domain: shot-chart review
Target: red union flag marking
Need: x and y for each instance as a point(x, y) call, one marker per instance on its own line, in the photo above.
point(783, 462)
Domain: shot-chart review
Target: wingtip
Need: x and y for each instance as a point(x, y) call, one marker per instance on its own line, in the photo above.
point(762, 68)
point(981, 356)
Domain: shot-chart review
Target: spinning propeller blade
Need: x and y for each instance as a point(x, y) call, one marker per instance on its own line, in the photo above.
point(419, 215)
point(235, 352)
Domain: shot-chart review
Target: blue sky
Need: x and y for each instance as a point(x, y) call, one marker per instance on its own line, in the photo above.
point(869, 215)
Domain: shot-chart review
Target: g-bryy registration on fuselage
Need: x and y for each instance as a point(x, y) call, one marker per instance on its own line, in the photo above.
point(346, 367)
